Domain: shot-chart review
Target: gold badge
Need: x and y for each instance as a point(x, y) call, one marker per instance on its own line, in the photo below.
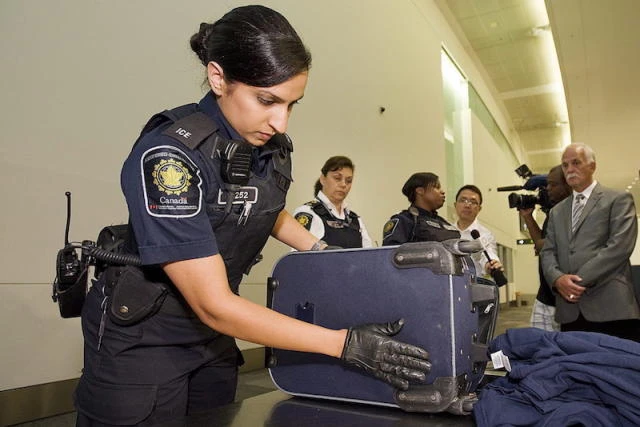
point(171, 177)
point(303, 219)
point(389, 226)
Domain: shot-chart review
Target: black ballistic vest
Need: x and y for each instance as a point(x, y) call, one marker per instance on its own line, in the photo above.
point(431, 228)
point(345, 233)
point(242, 229)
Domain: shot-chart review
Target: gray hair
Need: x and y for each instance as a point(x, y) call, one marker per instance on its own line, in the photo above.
point(589, 154)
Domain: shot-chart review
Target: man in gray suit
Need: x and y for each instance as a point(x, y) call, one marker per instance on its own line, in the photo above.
point(585, 257)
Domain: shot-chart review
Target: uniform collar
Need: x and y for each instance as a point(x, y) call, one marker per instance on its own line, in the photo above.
point(261, 155)
point(210, 106)
point(433, 214)
point(332, 208)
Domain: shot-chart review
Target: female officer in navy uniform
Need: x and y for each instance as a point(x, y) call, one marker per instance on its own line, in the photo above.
point(158, 338)
point(328, 217)
point(420, 222)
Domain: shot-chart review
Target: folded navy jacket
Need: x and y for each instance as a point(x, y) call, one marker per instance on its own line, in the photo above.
point(562, 379)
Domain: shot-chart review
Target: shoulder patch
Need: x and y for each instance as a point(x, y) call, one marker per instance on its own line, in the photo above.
point(304, 219)
point(389, 227)
point(171, 182)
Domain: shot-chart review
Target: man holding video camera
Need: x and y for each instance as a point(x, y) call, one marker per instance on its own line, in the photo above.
point(544, 307)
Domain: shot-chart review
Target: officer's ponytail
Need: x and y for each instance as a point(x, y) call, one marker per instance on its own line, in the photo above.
point(418, 180)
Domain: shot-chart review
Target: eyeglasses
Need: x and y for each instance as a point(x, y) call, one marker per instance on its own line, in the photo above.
point(466, 201)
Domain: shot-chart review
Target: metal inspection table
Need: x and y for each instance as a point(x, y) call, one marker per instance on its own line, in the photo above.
point(278, 409)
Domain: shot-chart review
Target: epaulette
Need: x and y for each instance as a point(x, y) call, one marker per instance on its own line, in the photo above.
point(192, 130)
point(318, 207)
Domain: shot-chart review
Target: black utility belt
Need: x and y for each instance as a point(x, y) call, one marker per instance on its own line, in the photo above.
point(133, 297)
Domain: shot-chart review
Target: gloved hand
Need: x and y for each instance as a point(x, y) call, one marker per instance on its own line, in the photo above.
point(370, 348)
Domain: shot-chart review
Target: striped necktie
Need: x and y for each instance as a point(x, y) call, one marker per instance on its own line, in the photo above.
point(578, 206)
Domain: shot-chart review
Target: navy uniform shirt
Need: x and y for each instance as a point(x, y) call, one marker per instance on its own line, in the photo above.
point(164, 184)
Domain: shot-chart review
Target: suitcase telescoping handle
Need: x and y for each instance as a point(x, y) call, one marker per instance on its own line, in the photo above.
point(463, 247)
point(440, 257)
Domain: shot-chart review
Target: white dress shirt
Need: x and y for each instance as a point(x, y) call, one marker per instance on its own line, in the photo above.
point(488, 242)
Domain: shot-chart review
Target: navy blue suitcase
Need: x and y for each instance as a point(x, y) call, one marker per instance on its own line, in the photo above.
point(429, 284)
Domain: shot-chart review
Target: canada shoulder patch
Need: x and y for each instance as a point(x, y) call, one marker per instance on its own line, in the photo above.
point(171, 182)
point(389, 227)
point(304, 219)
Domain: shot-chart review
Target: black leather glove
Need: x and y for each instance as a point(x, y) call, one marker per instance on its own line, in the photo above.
point(370, 348)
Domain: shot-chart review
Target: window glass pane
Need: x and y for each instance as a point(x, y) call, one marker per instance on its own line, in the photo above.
point(456, 128)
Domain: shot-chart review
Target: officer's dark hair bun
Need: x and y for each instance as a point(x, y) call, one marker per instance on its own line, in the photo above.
point(198, 42)
point(417, 180)
point(254, 45)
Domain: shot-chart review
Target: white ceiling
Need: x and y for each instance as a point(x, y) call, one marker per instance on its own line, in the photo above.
point(598, 57)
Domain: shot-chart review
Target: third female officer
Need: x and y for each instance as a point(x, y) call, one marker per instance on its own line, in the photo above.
point(328, 217)
point(420, 222)
point(205, 186)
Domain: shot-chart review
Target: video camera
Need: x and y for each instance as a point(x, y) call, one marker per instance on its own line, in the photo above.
point(537, 183)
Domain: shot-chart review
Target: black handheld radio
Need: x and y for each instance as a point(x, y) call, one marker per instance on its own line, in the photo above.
point(74, 259)
point(70, 284)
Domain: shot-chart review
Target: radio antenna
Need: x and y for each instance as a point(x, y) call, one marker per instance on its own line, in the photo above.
point(66, 230)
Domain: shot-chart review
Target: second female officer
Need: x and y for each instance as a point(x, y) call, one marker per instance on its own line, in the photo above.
point(328, 216)
point(420, 222)
point(205, 186)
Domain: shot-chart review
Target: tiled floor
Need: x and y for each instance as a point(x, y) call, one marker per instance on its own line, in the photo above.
point(257, 382)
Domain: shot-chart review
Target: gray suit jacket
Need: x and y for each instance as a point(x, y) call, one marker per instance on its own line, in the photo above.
point(598, 252)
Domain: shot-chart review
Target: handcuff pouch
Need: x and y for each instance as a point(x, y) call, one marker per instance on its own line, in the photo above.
point(133, 296)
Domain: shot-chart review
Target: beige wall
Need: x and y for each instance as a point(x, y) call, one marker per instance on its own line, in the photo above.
point(80, 79)
point(635, 257)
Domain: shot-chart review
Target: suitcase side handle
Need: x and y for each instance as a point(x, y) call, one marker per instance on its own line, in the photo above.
point(432, 255)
